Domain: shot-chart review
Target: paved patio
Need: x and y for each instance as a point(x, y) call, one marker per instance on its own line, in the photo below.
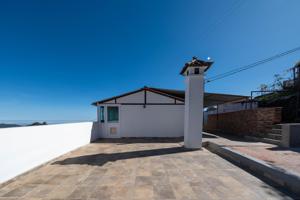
point(287, 159)
point(138, 169)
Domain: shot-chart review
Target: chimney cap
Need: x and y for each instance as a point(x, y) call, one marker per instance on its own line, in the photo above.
point(297, 64)
point(195, 62)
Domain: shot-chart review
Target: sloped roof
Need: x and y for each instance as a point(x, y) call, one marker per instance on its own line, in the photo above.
point(210, 99)
point(177, 93)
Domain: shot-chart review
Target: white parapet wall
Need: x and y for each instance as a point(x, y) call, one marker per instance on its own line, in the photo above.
point(25, 148)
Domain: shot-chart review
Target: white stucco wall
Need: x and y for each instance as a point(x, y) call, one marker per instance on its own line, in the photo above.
point(152, 121)
point(24, 148)
point(194, 98)
point(139, 98)
point(159, 120)
point(133, 98)
point(157, 98)
point(179, 101)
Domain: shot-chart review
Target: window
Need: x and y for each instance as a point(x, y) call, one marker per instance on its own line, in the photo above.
point(112, 114)
point(101, 117)
point(196, 70)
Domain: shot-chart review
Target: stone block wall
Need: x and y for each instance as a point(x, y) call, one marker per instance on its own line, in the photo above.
point(255, 122)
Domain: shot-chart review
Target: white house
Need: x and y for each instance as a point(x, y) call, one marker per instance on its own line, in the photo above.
point(155, 112)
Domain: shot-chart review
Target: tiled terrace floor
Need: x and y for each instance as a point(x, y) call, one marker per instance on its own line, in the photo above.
point(286, 158)
point(138, 169)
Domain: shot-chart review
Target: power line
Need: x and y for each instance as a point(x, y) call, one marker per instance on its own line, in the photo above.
point(252, 65)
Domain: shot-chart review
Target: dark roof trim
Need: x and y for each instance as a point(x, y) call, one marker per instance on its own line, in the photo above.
point(196, 63)
point(116, 97)
point(209, 98)
point(208, 94)
point(180, 94)
point(154, 90)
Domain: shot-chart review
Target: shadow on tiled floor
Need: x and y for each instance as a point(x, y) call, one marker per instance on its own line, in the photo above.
point(102, 158)
point(138, 169)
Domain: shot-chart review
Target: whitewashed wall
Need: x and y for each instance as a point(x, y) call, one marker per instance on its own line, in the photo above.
point(133, 98)
point(157, 98)
point(24, 148)
point(152, 121)
point(139, 98)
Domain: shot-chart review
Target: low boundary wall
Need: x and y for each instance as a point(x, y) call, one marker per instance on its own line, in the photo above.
point(290, 135)
point(25, 148)
point(272, 174)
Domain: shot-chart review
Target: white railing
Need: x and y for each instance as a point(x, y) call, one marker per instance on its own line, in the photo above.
point(24, 148)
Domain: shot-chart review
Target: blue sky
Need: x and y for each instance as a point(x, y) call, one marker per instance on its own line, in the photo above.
point(56, 57)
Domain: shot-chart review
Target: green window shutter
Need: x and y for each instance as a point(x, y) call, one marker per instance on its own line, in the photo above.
point(112, 114)
point(102, 113)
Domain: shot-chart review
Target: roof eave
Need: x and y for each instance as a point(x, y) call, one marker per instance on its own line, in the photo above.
point(115, 97)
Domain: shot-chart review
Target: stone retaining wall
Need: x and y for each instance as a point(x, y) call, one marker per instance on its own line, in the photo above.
point(255, 122)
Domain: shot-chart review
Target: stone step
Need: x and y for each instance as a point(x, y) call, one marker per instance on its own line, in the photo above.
point(274, 136)
point(276, 131)
point(277, 126)
point(265, 140)
point(271, 141)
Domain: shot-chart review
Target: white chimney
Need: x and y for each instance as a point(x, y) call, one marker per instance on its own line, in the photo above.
point(194, 97)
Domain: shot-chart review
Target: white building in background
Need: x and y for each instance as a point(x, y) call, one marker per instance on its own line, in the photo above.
point(230, 107)
point(155, 112)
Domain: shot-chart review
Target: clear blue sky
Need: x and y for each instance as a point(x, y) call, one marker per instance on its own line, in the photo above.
point(56, 57)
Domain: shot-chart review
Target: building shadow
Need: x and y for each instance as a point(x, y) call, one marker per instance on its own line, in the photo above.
point(102, 158)
point(138, 140)
point(132, 140)
point(95, 132)
point(208, 135)
point(229, 136)
point(278, 148)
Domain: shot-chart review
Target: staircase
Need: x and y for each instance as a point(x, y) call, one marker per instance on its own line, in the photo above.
point(274, 137)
